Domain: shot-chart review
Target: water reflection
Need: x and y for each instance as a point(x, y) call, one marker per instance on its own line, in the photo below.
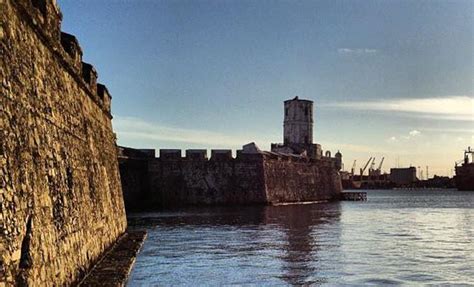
point(288, 236)
point(396, 237)
point(300, 223)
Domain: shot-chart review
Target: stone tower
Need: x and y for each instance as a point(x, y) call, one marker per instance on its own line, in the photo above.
point(298, 123)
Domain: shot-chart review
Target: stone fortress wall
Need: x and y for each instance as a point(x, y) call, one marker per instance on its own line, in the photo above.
point(61, 203)
point(252, 177)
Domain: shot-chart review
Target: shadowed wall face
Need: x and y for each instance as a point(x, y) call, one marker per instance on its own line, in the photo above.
point(295, 181)
point(60, 196)
point(257, 178)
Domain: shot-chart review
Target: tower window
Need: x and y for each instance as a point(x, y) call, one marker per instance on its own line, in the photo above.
point(306, 111)
point(306, 139)
point(286, 112)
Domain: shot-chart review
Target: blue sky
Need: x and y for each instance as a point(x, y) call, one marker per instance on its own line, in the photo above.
point(388, 78)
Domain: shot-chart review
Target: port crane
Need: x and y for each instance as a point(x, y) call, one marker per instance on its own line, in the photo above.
point(380, 165)
point(372, 166)
point(378, 171)
point(365, 167)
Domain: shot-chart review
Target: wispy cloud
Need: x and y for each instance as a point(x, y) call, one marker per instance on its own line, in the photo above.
point(404, 137)
point(449, 130)
point(358, 148)
point(356, 51)
point(138, 130)
point(448, 108)
point(414, 133)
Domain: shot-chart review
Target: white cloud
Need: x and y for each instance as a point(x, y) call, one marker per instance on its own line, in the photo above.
point(449, 130)
point(358, 148)
point(459, 108)
point(414, 133)
point(130, 129)
point(356, 51)
point(403, 138)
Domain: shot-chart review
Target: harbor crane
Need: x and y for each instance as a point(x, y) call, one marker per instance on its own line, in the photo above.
point(380, 165)
point(365, 167)
point(372, 166)
point(377, 172)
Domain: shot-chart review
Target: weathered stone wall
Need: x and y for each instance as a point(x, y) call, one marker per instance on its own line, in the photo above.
point(210, 182)
point(295, 180)
point(192, 181)
point(60, 199)
point(258, 178)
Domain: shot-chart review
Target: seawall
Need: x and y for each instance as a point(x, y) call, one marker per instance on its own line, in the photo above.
point(254, 178)
point(61, 202)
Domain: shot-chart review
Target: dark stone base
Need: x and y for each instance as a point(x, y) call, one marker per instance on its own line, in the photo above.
point(115, 267)
point(354, 196)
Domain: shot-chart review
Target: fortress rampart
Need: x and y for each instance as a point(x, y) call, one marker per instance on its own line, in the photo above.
point(61, 203)
point(249, 178)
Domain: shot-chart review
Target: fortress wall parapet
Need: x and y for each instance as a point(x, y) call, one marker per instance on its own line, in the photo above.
point(61, 203)
point(221, 154)
point(44, 18)
point(73, 49)
point(104, 97)
point(129, 153)
point(44, 15)
point(170, 154)
point(216, 154)
point(89, 75)
point(196, 154)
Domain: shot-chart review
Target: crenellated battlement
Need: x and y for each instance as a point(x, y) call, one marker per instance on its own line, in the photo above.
point(196, 154)
point(170, 154)
point(44, 17)
point(89, 75)
point(73, 49)
point(219, 155)
point(44, 14)
point(104, 97)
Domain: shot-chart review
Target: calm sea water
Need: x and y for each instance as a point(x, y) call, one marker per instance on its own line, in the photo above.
point(396, 237)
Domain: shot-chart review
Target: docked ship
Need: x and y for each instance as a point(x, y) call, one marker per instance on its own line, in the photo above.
point(465, 172)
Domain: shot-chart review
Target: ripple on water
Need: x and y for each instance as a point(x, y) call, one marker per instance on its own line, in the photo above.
point(396, 238)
